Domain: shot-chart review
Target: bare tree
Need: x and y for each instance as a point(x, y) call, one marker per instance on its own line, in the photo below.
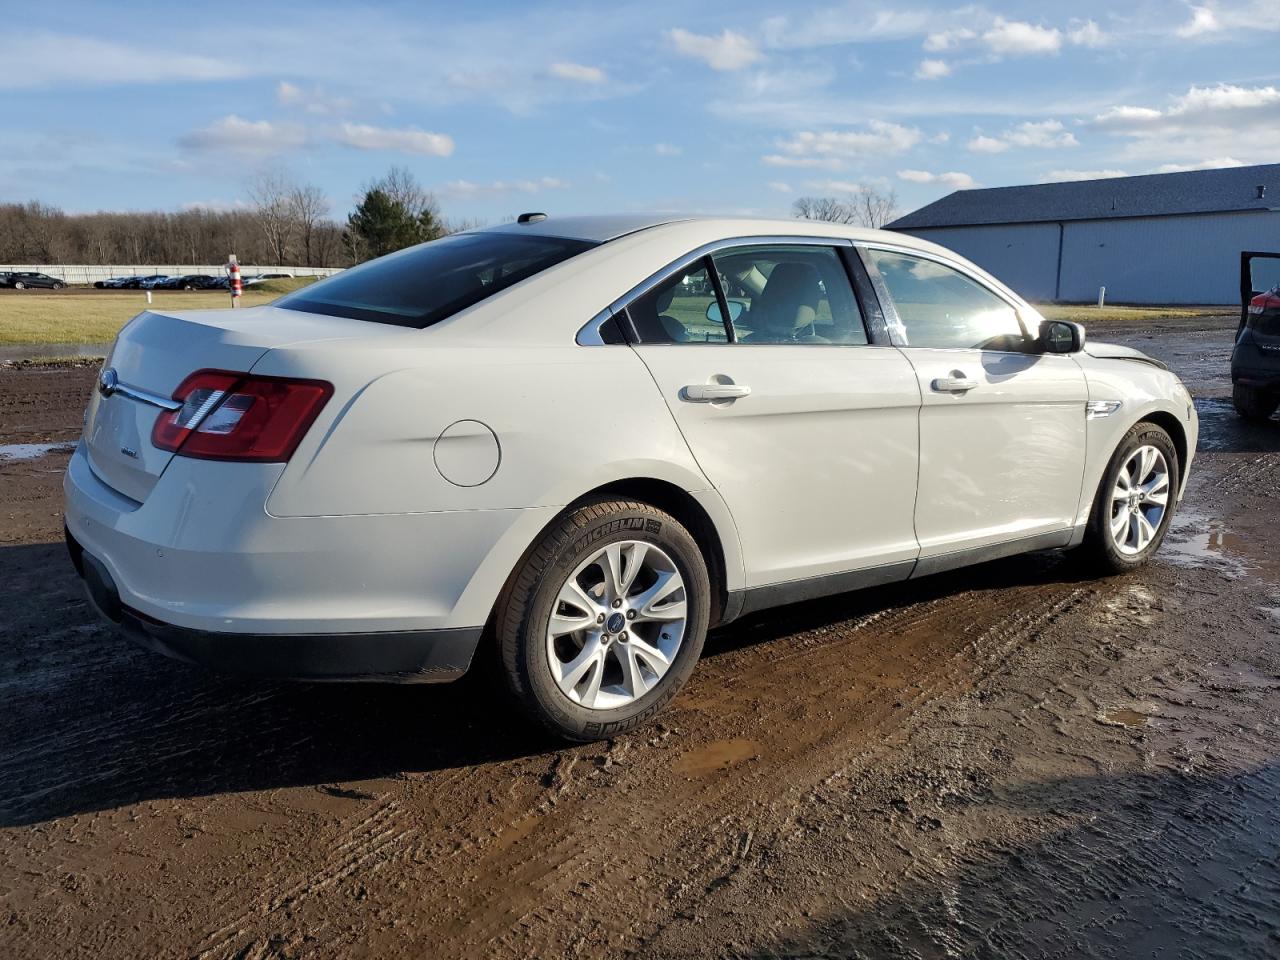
point(270, 195)
point(309, 207)
point(874, 209)
point(827, 209)
point(866, 208)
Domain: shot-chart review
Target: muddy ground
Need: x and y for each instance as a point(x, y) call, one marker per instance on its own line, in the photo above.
point(1011, 761)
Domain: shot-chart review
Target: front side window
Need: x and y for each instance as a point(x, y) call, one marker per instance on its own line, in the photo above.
point(789, 294)
point(428, 283)
point(940, 307)
point(683, 308)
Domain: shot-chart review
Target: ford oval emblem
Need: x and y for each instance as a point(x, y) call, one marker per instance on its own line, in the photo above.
point(107, 382)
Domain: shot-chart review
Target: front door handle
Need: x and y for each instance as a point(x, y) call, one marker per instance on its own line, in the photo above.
point(957, 382)
point(710, 392)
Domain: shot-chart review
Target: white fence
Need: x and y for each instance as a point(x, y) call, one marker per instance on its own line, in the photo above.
point(88, 273)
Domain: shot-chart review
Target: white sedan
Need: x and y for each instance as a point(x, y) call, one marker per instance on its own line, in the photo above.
point(585, 440)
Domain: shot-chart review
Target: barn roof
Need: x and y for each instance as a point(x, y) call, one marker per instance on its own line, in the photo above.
point(1154, 195)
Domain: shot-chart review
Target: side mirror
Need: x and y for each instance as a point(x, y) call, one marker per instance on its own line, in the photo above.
point(1061, 336)
point(736, 308)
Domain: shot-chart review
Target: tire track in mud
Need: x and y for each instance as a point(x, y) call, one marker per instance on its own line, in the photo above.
point(561, 878)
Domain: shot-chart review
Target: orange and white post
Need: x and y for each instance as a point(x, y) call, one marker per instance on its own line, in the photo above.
point(237, 287)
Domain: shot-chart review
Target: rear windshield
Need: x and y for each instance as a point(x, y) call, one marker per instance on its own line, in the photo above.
point(425, 284)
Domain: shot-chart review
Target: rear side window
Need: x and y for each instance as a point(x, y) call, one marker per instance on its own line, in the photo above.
point(425, 284)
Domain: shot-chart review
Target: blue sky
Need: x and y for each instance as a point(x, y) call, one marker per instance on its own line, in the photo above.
point(736, 108)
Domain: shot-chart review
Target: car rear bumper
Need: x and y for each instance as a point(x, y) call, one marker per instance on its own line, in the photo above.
point(415, 656)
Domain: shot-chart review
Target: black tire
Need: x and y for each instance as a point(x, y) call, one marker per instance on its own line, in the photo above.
point(1099, 550)
point(19, 285)
point(527, 603)
point(58, 286)
point(1252, 404)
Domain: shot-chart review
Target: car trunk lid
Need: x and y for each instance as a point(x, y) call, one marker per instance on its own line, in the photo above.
point(155, 352)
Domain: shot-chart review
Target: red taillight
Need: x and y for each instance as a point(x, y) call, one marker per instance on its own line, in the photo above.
point(1262, 303)
point(235, 416)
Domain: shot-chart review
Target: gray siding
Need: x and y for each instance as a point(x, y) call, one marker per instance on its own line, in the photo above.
point(1022, 255)
point(1184, 259)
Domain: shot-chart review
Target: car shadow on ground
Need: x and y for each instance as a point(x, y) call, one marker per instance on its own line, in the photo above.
point(93, 723)
point(1169, 863)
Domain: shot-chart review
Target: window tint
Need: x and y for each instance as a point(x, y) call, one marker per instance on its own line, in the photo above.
point(425, 284)
point(789, 294)
point(677, 309)
point(941, 307)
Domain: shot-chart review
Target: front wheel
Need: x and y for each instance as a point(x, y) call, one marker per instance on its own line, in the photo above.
point(1252, 404)
point(58, 286)
point(604, 621)
point(19, 285)
point(1135, 500)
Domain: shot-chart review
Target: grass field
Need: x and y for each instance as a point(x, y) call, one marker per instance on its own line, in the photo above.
point(96, 316)
point(1089, 312)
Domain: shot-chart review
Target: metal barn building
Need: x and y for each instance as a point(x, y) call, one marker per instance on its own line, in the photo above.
point(1162, 238)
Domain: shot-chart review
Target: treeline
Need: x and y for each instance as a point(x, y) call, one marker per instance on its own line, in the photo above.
point(283, 222)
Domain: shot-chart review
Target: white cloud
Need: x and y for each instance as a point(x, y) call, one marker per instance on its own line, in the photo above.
point(217, 206)
point(468, 188)
point(1203, 20)
point(835, 186)
point(1018, 38)
point(834, 148)
point(954, 179)
point(1203, 122)
point(364, 137)
point(667, 150)
point(932, 69)
point(1086, 34)
point(312, 100)
point(31, 59)
point(577, 72)
point(236, 135)
point(729, 51)
point(947, 39)
point(780, 186)
point(1062, 176)
point(1215, 164)
point(1043, 134)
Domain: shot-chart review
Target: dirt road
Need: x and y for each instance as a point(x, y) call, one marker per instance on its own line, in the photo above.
point(1011, 761)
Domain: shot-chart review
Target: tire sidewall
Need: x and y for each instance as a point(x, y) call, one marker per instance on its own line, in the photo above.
point(646, 526)
point(1142, 435)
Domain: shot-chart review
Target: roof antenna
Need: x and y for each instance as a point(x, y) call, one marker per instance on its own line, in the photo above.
point(530, 217)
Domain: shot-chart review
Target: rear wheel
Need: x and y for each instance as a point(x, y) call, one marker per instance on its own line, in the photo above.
point(1135, 500)
point(1253, 404)
point(605, 619)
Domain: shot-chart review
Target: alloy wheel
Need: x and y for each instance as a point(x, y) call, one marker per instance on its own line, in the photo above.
point(617, 625)
point(1139, 500)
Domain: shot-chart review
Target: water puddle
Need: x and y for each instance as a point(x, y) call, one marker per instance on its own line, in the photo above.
point(1198, 542)
point(1122, 717)
point(32, 451)
point(716, 756)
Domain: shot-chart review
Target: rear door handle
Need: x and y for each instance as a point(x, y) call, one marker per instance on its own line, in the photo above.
point(957, 382)
point(709, 392)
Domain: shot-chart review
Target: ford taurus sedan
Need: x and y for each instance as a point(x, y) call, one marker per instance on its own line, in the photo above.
point(586, 440)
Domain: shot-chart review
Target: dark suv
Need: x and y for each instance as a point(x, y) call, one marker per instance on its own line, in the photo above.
point(22, 281)
point(1255, 362)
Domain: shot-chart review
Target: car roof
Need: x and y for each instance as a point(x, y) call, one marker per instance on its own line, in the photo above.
point(602, 228)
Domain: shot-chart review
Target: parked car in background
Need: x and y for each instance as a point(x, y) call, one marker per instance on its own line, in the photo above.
point(192, 281)
point(112, 283)
point(1255, 361)
point(24, 280)
point(562, 437)
point(142, 283)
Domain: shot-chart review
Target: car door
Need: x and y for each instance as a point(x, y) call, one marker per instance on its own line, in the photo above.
point(1002, 423)
point(805, 426)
